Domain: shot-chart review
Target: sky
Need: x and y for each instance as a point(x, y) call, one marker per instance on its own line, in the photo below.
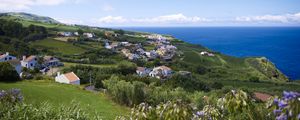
point(109, 13)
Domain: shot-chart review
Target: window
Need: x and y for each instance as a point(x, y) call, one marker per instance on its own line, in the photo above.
point(31, 64)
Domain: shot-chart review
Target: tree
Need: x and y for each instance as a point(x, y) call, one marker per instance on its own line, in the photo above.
point(80, 31)
point(121, 32)
point(8, 73)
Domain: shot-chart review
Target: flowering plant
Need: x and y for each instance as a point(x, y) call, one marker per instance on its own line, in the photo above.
point(287, 107)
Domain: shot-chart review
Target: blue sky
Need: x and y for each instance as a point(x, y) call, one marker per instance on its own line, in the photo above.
point(163, 12)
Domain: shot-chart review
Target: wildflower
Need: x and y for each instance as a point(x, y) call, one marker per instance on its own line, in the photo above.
point(282, 104)
point(276, 101)
point(200, 113)
point(281, 117)
point(276, 112)
point(298, 117)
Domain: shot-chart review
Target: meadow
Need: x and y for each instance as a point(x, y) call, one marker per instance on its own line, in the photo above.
point(58, 46)
point(55, 94)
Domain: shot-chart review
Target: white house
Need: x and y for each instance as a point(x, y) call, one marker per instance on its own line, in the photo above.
point(89, 35)
point(68, 78)
point(30, 62)
point(16, 64)
point(142, 71)
point(161, 72)
point(6, 57)
point(203, 53)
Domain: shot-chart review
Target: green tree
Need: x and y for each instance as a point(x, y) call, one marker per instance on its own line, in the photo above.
point(8, 73)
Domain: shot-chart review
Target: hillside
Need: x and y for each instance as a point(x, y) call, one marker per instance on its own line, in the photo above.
point(30, 17)
point(55, 94)
point(111, 59)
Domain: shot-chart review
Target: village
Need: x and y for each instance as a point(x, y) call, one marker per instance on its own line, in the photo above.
point(162, 50)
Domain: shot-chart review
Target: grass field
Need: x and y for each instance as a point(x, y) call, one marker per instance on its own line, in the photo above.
point(57, 94)
point(59, 46)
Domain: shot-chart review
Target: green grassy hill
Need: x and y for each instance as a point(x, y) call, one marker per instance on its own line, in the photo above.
point(36, 92)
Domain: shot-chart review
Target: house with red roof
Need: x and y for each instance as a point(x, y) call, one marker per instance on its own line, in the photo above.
point(29, 62)
point(6, 57)
point(68, 78)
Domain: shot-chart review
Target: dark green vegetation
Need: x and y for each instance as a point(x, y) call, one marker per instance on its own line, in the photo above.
point(210, 76)
point(8, 73)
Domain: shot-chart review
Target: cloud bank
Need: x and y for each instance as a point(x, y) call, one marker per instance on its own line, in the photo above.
point(17, 5)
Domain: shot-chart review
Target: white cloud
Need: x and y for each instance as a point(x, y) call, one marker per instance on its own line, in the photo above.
point(287, 18)
point(17, 5)
point(111, 20)
point(108, 7)
point(69, 21)
point(166, 19)
point(174, 18)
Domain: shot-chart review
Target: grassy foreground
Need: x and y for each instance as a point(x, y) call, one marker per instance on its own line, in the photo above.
point(56, 94)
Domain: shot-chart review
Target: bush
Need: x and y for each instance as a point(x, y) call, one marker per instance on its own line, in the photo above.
point(254, 79)
point(8, 73)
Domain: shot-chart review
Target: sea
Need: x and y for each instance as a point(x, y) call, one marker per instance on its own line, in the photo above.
point(281, 45)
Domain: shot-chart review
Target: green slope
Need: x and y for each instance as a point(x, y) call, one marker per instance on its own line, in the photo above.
point(57, 94)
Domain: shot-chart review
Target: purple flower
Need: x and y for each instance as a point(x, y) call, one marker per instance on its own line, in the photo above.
point(200, 113)
point(276, 101)
point(282, 104)
point(298, 117)
point(2, 93)
point(281, 117)
point(276, 112)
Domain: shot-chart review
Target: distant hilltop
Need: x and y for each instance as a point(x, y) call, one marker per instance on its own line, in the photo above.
point(30, 17)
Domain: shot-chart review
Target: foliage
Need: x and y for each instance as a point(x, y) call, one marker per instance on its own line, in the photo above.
point(176, 110)
point(125, 92)
point(8, 73)
point(287, 107)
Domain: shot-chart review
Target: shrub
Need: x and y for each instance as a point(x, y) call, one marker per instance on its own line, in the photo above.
point(8, 73)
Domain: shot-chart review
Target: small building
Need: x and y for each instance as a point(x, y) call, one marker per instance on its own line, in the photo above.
point(161, 72)
point(68, 78)
point(16, 64)
point(6, 57)
point(89, 35)
point(203, 53)
point(142, 71)
point(50, 61)
point(29, 62)
point(65, 34)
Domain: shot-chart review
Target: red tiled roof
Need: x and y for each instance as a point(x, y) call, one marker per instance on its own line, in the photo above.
point(262, 96)
point(71, 76)
point(30, 58)
point(141, 69)
point(2, 56)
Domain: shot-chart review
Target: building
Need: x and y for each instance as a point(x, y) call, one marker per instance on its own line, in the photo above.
point(89, 35)
point(68, 78)
point(29, 62)
point(142, 71)
point(6, 57)
point(161, 72)
point(16, 64)
point(65, 34)
point(205, 53)
point(50, 61)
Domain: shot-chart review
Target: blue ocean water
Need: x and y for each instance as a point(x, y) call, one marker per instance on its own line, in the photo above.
point(279, 44)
